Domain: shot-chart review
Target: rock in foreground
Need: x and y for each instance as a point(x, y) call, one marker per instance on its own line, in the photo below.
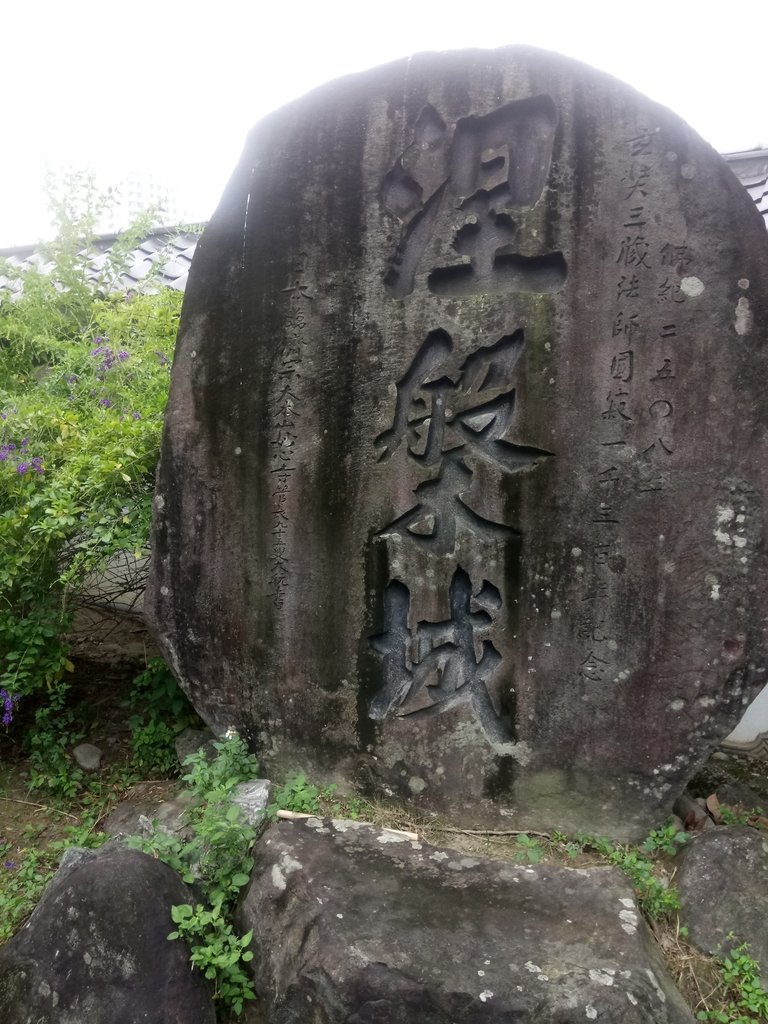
point(95, 951)
point(722, 879)
point(356, 925)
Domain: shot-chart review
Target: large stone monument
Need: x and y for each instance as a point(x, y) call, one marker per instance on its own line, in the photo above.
point(462, 487)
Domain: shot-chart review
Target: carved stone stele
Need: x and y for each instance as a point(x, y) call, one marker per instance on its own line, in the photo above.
point(463, 479)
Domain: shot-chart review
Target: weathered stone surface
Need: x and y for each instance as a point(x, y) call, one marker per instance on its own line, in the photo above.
point(143, 817)
point(88, 756)
point(253, 798)
point(357, 924)
point(723, 883)
point(462, 487)
point(191, 740)
point(95, 950)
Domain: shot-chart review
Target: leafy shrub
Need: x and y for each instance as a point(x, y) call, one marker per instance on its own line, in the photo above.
point(83, 384)
point(160, 712)
point(744, 998)
point(217, 858)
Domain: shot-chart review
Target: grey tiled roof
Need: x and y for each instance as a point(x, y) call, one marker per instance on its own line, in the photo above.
point(171, 249)
point(751, 168)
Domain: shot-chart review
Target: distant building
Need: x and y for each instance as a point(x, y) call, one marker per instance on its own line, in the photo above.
point(751, 168)
point(166, 253)
point(138, 191)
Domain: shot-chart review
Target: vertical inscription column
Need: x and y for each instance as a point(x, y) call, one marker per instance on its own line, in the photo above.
point(621, 430)
point(467, 194)
point(283, 435)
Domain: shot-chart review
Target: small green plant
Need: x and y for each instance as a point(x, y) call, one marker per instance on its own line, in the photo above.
point(55, 731)
point(667, 839)
point(21, 884)
point(742, 817)
point(529, 850)
point(160, 712)
point(745, 1000)
point(24, 876)
point(568, 846)
point(233, 764)
point(304, 797)
point(216, 950)
point(655, 896)
point(297, 795)
point(217, 860)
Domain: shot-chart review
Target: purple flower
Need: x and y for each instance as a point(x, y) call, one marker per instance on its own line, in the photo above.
point(7, 702)
point(72, 378)
point(105, 402)
point(24, 442)
point(22, 467)
point(37, 464)
point(162, 359)
point(9, 865)
point(122, 355)
point(135, 415)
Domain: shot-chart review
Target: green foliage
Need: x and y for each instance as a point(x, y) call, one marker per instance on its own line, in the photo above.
point(732, 817)
point(23, 879)
point(160, 712)
point(233, 764)
point(83, 385)
point(655, 896)
point(216, 858)
point(744, 998)
point(529, 849)
point(21, 883)
point(667, 839)
point(216, 950)
point(55, 730)
point(297, 795)
point(304, 797)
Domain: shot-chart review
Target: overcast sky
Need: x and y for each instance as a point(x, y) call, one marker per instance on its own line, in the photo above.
point(176, 87)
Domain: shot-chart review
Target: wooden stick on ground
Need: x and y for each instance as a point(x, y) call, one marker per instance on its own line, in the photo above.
point(492, 832)
point(40, 807)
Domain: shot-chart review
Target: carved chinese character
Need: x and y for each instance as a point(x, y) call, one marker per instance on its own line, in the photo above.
point(636, 181)
point(485, 175)
point(634, 252)
point(659, 411)
point(628, 287)
point(436, 666)
point(445, 418)
point(635, 218)
point(675, 256)
point(670, 291)
point(593, 668)
point(642, 143)
point(617, 406)
point(665, 371)
point(626, 325)
point(622, 366)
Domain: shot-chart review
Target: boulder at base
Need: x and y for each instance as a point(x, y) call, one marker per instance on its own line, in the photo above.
point(722, 879)
point(95, 950)
point(463, 483)
point(357, 925)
